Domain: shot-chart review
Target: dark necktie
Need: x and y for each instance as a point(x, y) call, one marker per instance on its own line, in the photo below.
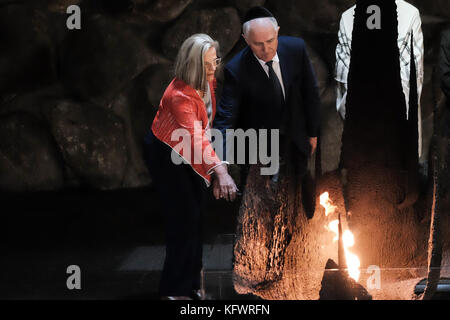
point(276, 84)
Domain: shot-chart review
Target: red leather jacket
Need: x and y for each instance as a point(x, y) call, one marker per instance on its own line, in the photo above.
point(182, 108)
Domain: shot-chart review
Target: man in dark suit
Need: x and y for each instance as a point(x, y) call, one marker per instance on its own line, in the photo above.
point(444, 68)
point(271, 85)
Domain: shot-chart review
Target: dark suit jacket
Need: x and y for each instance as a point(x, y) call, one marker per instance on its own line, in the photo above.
point(444, 71)
point(248, 100)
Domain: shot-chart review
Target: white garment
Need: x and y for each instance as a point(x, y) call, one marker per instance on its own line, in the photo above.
point(408, 21)
point(208, 102)
point(276, 68)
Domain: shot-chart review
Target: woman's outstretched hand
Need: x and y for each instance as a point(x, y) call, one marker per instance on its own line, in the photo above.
point(223, 184)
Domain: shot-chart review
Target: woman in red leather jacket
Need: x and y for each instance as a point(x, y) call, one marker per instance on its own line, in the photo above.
point(186, 111)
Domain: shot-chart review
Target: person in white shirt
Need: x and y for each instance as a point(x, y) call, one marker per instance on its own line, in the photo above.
point(409, 23)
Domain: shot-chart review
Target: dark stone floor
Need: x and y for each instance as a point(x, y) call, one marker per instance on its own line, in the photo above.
point(116, 238)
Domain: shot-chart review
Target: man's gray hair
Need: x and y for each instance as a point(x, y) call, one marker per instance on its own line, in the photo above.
point(189, 64)
point(246, 26)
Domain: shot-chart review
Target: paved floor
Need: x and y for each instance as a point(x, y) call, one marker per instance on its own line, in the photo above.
point(115, 238)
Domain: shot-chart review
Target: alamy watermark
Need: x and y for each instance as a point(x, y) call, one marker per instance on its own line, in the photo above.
point(374, 281)
point(74, 280)
point(74, 20)
point(257, 151)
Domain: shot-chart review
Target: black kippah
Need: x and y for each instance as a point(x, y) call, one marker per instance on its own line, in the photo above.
point(257, 12)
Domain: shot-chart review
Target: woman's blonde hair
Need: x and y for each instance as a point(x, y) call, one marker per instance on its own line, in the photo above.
point(189, 64)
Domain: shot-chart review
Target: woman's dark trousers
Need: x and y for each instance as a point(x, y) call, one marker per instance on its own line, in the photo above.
point(182, 192)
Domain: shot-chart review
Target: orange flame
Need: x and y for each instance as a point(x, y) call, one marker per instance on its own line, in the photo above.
point(353, 262)
point(327, 204)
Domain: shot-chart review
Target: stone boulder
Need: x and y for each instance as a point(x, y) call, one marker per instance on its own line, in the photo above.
point(160, 10)
point(321, 16)
point(321, 71)
point(108, 7)
point(91, 140)
point(439, 8)
point(102, 58)
point(34, 102)
point(331, 126)
point(145, 94)
point(244, 5)
point(137, 106)
point(29, 160)
point(26, 56)
point(221, 24)
point(61, 5)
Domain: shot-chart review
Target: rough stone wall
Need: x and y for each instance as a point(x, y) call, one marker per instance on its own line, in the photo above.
point(121, 60)
point(306, 244)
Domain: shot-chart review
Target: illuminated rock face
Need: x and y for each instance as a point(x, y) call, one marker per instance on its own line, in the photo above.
point(379, 151)
point(279, 252)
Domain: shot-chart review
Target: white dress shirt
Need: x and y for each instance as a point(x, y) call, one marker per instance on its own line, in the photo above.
point(276, 68)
